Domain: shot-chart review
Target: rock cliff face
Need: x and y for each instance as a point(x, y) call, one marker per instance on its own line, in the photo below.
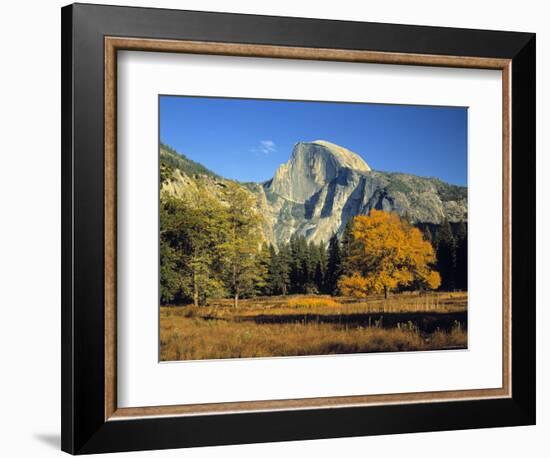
point(323, 185)
point(310, 167)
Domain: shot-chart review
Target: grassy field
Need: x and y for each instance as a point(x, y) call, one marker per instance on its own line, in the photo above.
point(313, 325)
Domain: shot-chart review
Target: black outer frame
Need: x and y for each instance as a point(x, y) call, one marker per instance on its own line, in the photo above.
point(84, 429)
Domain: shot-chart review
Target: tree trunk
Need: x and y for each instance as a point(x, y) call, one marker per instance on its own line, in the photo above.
point(236, 298)
point(386, 292)
point(195, 291)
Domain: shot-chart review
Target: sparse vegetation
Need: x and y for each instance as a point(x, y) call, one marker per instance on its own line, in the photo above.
point(449, 192)
point(171, 159)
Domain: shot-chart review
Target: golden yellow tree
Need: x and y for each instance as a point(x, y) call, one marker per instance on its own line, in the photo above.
point(387, 252)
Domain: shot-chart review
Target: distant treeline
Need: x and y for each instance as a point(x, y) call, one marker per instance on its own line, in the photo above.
point(310, 268)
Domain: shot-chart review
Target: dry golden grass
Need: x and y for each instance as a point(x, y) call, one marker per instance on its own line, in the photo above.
point(312, 301)
point(404, 302)
point(313, 325)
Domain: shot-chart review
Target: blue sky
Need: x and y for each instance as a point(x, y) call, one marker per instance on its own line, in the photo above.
point(247, 140)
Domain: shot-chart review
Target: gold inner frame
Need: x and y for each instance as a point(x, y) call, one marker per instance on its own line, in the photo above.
point(114, 44)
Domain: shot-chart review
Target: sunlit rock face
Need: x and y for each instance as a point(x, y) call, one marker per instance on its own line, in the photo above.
point(312, 166)
point(323, 185)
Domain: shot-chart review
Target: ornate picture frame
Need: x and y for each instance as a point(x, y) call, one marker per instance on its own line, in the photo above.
point(92, 37)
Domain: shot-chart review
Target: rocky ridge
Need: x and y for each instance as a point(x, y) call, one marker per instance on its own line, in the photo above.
point(320, 187)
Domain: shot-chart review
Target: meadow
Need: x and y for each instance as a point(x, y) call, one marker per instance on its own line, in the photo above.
point(299, 325)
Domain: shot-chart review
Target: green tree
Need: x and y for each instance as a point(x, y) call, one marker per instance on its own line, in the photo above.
point(271, 288)
point(169, 278)
point(347, 244)
point(446, 255)
point(334, 265)
point(321, 267)
point(241, 248)
point(310, 268)
point(264, 259)
point(279, 270)
point(428, 234)
point(461, 275)
point(191, 234)
point(299, 264)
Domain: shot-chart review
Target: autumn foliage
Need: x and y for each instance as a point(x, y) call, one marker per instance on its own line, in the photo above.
point(387, 253)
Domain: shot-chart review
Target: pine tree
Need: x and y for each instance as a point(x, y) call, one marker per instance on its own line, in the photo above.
point(428, 234)
point(462, 256)
point(264, 263)
point(283, 269)
point(321, 268)
point(299, 272)
point(334, 265)
point(347, 242)
point(446, 256)
point(295, 273)
point(278, 271)
point(270, 288)
point(310, 270)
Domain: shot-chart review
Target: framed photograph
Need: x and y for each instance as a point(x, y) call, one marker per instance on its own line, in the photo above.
point(283, 228)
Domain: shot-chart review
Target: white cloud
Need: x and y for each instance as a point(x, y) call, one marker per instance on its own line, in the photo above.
point(267, 146)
